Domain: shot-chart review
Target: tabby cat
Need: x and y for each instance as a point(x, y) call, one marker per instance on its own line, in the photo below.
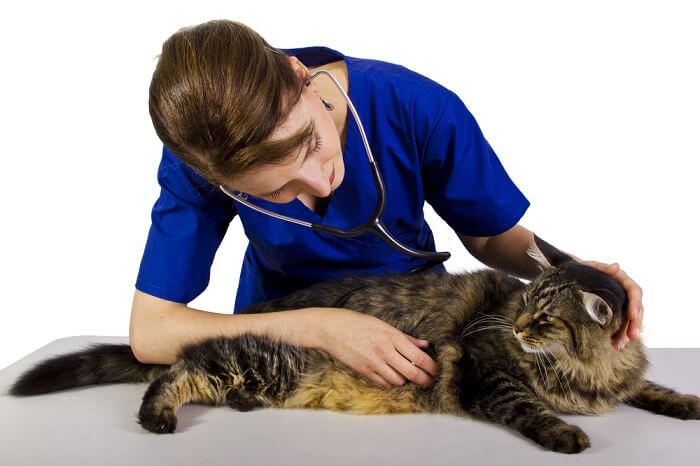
point(511, 353)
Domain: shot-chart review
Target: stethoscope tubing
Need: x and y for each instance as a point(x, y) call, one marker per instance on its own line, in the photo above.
point(374, 224)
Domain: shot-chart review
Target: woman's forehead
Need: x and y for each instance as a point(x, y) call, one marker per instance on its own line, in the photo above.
point(300, 116)
point(263, 179)
point(269, 177)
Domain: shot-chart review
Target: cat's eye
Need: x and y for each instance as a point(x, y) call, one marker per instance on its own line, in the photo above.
point(549, 317)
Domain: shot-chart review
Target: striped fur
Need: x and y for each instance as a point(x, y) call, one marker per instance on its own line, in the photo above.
point(510, 353)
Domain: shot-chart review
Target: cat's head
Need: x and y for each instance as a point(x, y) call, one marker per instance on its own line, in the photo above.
point(569, 303)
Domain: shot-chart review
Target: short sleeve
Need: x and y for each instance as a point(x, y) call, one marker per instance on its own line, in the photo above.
point(463, 179)
point(188, 222)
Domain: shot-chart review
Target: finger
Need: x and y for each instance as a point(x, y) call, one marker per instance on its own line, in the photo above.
point(417, 342)
point(632, 289)
point(618, 335)
point(633, 330)
point(635, 326)
point(634, 293)
point(409, 370)
point(611, 269)
point(390, 375)
point(597, 265)
point(419, 357)
point(620, 338)
point(377, 379)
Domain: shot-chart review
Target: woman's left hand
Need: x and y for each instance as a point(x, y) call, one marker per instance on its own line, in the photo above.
point(635, 311)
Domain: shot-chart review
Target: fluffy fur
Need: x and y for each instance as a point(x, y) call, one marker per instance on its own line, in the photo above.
point(510, 353)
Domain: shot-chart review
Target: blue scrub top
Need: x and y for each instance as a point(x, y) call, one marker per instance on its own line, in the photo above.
point(428, 147)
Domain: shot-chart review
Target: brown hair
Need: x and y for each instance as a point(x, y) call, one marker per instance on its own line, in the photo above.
point(218, 90)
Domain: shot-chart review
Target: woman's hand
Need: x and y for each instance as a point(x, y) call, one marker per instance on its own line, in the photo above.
point(635, 311)
point(373, 348)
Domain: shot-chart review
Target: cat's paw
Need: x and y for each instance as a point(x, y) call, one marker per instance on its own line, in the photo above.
point(685, 407)
point(163, 422)
point(566, 439)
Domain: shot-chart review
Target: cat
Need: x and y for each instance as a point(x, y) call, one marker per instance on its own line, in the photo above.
point(510, 353)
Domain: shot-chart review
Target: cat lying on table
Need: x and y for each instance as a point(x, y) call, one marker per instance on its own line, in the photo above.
point(510, 353)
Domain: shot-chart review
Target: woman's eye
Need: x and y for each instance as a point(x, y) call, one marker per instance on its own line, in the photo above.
point(317, 146)
point(276, 194)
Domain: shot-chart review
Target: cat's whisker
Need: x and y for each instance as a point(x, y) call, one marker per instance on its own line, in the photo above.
point(500, 321)
point(489, 321)
point(566, 378)
point(496, 319)
point(499, 324)
point(488, 318)
point(480, 319)
point(555, 370)
point(473, 331)
point(472, 324)
point(480, 329)
point(545, 359)
point(537, 361)
point(497, 316)
point(507, 329)
point(544, 368)
point(506, 318)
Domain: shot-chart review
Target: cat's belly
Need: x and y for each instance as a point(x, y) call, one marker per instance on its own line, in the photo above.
point(341, 391)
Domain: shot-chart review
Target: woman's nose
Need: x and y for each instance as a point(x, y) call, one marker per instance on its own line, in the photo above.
point(316, 178)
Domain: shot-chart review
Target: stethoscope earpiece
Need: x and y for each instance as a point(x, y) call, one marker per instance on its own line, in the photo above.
point(328, 104)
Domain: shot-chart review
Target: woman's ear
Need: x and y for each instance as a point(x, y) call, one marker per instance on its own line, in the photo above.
point(298, 66)
point(546, 255)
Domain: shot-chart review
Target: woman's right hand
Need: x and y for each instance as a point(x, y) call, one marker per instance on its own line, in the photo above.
point(377, 350)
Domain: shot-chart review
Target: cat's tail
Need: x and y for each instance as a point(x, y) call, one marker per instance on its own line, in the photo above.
point(99, 363)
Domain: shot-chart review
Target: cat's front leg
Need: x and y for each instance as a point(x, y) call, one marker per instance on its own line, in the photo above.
point(509, 403)
point(158, 411)
point(661, 400)
point(166, 394)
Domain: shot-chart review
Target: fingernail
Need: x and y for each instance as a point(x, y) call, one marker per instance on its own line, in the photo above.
point(636, 313)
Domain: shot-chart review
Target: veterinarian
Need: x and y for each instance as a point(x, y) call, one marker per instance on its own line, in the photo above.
point(247, 131)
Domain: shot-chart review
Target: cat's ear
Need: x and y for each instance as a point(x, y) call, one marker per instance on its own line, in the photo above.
point(546, 255)
point(597, 308)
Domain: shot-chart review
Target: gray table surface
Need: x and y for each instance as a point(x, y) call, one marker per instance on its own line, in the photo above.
point(96, 425)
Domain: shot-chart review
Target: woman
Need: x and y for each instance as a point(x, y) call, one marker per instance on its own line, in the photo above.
point(239, 116)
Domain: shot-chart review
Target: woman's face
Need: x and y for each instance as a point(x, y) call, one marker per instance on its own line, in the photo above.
point(316, 170)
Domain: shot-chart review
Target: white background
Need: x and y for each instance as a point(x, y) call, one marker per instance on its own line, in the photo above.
point(593, 109)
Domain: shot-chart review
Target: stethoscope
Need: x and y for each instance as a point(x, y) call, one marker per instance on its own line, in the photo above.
point(374, 224)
